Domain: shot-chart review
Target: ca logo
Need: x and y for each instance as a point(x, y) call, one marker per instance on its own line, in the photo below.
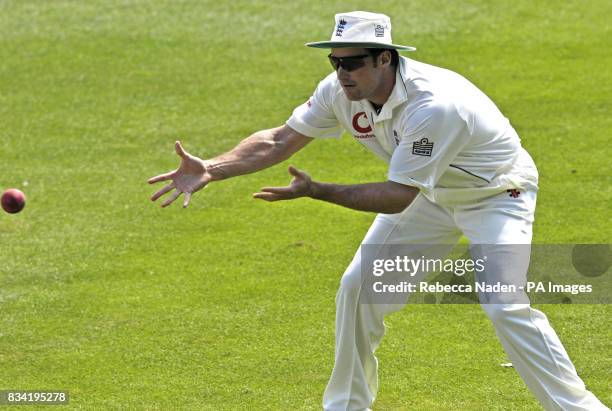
point(359, 125)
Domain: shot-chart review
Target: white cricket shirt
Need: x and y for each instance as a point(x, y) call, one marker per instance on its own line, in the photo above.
point(437, 131)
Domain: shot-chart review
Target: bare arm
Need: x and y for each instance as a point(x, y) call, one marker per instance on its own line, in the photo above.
point(386, 197)
point(258, 151)
point(261, 150)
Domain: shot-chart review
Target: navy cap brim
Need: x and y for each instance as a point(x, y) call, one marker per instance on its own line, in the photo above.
point(366, 45)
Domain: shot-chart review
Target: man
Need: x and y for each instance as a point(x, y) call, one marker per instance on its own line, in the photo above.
point(455, 166)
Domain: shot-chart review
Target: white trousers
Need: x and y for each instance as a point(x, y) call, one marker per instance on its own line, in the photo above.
point(525, 333)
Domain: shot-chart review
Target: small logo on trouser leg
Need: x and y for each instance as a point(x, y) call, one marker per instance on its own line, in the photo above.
point(514, 193)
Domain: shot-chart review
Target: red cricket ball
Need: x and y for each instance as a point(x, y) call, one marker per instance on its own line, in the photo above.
point(13, 201)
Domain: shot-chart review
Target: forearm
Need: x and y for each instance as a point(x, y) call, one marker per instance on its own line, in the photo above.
point(385, 197)
point(261, 150)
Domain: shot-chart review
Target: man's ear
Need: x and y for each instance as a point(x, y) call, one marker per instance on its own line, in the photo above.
point(385, 57)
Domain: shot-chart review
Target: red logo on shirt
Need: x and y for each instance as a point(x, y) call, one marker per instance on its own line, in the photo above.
point(358, 127)
point(514, 193)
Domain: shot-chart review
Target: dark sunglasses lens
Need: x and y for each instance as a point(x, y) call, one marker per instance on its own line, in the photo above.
point(351, 64)
point(347, 63)
point(334, 62)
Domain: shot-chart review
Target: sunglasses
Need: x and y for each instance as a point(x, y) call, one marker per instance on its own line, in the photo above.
point(349, 63)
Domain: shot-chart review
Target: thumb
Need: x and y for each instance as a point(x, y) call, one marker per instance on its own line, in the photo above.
point(180, 150)
point(295, 172)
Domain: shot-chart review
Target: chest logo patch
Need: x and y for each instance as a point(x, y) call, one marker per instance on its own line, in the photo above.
point(362, 126)
point(422, 147)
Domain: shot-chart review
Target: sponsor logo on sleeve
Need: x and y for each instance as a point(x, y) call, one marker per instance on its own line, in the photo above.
point(309, 103)
point(423, 147)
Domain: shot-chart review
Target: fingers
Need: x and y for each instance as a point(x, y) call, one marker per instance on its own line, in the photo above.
point(275, 193)
point(295, 172)
point(277, 190)
point(298, 173)
point(172, 186)
point(168, 176)
point(163, 191)
point(171, 199)
point(180, 150)
point(186, 200)
point(161, 177)
point(267, 196)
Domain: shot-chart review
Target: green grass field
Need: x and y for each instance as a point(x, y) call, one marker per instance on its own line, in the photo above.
point(229, 305)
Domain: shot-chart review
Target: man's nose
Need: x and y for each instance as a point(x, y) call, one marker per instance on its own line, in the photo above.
point(342, 74)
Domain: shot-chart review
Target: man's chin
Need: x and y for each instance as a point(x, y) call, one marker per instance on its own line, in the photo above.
point(350, 95)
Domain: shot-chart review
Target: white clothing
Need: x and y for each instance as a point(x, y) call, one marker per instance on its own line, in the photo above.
point(440, 133)
point(530, 342)
point(474, 146)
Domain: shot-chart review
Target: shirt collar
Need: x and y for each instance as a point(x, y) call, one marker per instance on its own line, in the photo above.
point(398, 95)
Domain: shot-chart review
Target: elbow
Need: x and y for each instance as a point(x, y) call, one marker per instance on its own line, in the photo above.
point(278, 144)
point(402, 196)
point(270, 144)
point(287, 141)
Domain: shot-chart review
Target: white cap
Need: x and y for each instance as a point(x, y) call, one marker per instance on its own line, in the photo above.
point(361, 29)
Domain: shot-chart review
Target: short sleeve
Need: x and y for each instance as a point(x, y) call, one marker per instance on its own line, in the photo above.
point(316, 117)
point(431, 139)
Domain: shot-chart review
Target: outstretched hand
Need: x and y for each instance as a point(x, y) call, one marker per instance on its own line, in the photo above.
point(190, 177)
point(300, 186)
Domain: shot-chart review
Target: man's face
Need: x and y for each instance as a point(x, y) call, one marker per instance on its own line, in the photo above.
point(360, 83)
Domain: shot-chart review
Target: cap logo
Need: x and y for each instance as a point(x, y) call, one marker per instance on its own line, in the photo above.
point(340, 27)
point(379, 31)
